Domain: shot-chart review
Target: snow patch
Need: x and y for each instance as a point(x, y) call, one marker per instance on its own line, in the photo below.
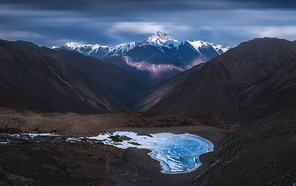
point(220, 49)
point(201, 44)
point(123, 48)
point(197, 45)
point(171, 44)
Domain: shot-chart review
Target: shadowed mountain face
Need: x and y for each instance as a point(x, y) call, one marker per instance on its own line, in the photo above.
point(276, 92)
point(13, 96)
point(154, 63)
point(236, 86)
point(68, 89)
point(118, 81)
point(148, 64)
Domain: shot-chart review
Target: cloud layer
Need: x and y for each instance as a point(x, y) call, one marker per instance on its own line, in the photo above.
point(111, 22)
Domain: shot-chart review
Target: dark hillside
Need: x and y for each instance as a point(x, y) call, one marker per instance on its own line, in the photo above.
point(66, 88)
point(260, 153)
point(12, 96)
point(236, 86)
point(118, 81)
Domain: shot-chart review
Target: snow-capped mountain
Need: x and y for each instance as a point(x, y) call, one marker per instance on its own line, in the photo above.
point(97, 51)
point(122, 48)
point(100, 52)
point(154, 59)
point(158, 38)
point(82, 48)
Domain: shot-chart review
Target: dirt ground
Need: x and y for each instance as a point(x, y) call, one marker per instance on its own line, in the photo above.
point(138, 168)
point(73, 124)
point(24, 162)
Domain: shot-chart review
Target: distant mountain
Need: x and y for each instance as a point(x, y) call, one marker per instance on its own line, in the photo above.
point(253, 80)
point(122, 48)
point(155, 59)
point(158, 38)
point(45, 73)
point(97, 51)
point(100, 52)
point(154, 63)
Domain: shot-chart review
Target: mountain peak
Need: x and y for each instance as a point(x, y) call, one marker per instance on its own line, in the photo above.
point(160, 33)
point(159, 38)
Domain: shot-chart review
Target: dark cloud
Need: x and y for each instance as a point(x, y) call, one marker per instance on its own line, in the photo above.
point(109, 5)
point(111, 22)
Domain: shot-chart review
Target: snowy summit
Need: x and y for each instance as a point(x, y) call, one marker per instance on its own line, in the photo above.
point(158, 38)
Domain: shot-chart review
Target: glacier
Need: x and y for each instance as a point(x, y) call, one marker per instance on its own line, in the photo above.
point(177, 153)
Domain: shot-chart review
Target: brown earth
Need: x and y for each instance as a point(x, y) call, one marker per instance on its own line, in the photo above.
point(49, 162)
point(138, 168)
point(260, 153)
point(73, 124)
point(24, 162)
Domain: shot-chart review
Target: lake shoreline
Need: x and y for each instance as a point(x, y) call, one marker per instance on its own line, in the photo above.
point(136, 167)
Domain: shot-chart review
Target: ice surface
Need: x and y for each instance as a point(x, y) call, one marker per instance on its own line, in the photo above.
point(40, 134)
point(4, 142)
point(177, 153)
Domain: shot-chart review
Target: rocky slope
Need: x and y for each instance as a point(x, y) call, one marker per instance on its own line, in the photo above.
point(65, 87)
point(12, 96)
point(260, 153)
point(231, 85)
point(119, 82)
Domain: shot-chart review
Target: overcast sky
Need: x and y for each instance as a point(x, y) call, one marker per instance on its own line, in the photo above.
point(111, 22)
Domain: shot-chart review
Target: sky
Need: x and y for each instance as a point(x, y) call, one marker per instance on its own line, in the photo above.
point(112, 22)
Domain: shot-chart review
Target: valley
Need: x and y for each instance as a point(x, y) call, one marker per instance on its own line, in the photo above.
point(242, 100)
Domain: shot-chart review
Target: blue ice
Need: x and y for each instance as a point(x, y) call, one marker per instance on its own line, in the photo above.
point(177, 153)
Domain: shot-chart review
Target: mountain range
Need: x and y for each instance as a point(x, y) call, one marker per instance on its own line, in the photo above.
point(153, 60)
point(249, 90)
point(252, 80)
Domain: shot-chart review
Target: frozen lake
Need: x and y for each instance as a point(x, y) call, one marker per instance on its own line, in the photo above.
point(177, 153)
